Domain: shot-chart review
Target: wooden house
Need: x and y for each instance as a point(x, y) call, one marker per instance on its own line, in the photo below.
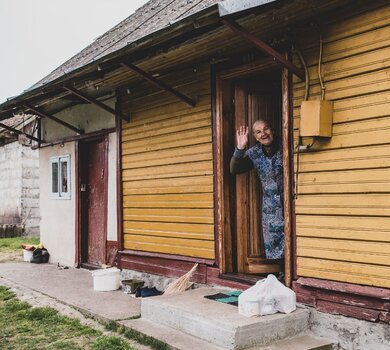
point(138, 130)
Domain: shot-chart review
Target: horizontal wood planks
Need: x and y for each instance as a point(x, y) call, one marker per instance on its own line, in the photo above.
point(167, 169)
point(343, 204)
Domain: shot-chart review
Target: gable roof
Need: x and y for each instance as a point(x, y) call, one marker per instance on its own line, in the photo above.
point(151, 31)
point(148, 19)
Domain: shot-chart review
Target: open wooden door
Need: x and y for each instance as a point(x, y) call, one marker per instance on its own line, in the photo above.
point(93, 201)
point(254, 98)
point(242, 97)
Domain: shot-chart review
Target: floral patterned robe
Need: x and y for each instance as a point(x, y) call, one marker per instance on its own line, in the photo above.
point(270, 172)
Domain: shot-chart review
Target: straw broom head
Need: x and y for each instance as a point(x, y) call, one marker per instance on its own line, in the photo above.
point(182, 283)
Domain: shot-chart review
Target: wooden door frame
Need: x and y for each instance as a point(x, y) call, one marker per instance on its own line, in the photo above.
point(223, 232)
point(79, 216)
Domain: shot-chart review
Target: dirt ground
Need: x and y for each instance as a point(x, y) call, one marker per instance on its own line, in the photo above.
point(11, 256)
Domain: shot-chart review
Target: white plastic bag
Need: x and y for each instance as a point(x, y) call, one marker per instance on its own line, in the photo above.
point(266, 297)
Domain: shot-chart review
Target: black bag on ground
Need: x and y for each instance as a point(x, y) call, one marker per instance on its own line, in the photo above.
point(40, 255)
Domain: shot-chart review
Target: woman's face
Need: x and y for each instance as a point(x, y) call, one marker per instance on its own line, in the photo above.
point(263, 133)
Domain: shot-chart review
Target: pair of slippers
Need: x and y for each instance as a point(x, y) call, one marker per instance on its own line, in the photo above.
point(144, 292)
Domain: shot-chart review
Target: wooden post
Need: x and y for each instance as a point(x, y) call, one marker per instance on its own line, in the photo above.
point(96, 102)
point(286, 176)
point(159, 83)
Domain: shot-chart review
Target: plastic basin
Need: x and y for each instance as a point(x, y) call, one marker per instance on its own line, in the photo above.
point(27, 255)
point(106, 280)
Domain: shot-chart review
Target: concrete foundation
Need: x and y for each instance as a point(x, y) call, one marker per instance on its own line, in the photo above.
point(349, 333)
point(160, 282)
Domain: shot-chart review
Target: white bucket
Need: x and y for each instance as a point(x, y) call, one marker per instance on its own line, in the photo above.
point(27, 255)
point(106, 279)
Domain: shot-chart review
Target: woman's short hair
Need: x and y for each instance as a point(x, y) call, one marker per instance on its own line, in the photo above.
point(263, 121)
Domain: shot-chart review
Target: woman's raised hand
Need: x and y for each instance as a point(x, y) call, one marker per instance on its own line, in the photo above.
point(242, 137)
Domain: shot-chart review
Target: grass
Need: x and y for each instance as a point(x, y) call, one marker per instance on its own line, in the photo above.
point(11, 250)
point(14, 244)
point(23, 327)
point(139, 337)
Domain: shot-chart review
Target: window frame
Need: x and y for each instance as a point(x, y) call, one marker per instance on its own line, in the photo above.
point(60, 160)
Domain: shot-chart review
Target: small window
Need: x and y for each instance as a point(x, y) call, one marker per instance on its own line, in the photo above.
point(60, 177)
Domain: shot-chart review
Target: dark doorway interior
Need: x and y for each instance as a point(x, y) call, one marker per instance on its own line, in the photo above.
point(257, 97)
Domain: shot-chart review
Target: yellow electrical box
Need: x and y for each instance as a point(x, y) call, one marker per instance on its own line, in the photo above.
point(316, 118)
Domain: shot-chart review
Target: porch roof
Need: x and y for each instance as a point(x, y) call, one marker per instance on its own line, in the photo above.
point(152, 31)
point(141, 29)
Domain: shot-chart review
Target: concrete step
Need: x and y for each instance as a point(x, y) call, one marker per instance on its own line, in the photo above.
point(177, 340)
point(300, 342)
point(219, 323)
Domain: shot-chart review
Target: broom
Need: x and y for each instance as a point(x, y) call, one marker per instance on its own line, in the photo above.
point(182, 283)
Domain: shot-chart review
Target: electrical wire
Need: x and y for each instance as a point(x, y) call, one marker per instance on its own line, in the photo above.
point(307, 80)
point(319, 65)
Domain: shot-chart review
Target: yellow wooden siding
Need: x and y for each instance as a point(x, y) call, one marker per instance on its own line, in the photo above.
point(167, 169)
point(343, 206)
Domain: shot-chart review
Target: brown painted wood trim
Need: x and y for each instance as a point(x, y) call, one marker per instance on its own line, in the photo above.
point(215, 135)
point(163, 267)
point(95, 102)
point(129, 252)
point(286, 176)
point(53, 118)
point(246, 70)
point(176, 268)
point(119, 199)
point(349, 288)
point(292, 182)
point(18, 132)
point(222, 76)
point(215, 278)
point(218, 178)
point(78, 207)
point(361, 302)
point(158, 83)
point(358, 312)
point(263, 47)
point(88, 136)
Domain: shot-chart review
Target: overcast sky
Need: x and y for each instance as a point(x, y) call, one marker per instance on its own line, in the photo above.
point(37, 36)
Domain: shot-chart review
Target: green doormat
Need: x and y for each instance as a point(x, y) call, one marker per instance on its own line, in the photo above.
point(230, 298)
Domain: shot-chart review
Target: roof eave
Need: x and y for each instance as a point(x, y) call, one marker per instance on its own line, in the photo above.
point(43, 90)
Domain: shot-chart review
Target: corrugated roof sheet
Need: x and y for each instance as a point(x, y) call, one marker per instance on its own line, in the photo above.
point(151, 17)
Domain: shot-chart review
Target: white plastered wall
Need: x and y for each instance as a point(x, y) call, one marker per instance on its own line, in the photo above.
point(112, 198)
point(57, 215)
point(58, 224)
point(88, 117)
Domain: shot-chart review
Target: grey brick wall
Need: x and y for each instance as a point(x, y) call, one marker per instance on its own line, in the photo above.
point(19, 186)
